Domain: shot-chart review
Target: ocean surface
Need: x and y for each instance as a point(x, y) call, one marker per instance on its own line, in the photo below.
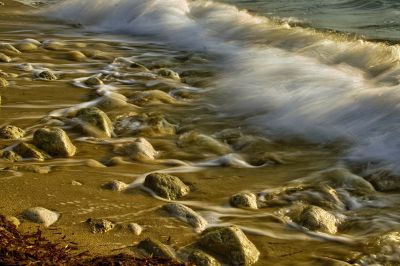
point(282, 79)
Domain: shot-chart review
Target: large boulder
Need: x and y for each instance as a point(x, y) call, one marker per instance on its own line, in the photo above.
point(166, 186)
point(54, 141)
point(40, 215)
point(155, 248)
point(317, 219)
point(140, 150)
point(95, 122)
point(29, 151)
point(186, 215)
point(231, 244)
point(11, 132)
point(246, 200)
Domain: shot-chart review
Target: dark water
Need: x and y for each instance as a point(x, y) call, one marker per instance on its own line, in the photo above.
point(372, 19)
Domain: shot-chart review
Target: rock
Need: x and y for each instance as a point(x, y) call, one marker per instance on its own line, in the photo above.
point(26, 46)
point(204, 142)
point(231, 244)
point(115, 185)
point(53, 45)
point(30, 151)
point(95, 122)
point(4, 58)
point(152, 125)
point(46, 75)
point(140, 150)
point(41, 215)
point(156, 249)
point(76, 56)
point(142, 98)
point(8, 49)
point(54, 141)
point(186, 215)
point(166, 186)
point(76, 183)
point(100, 225)
point(93, 81)
point(200, 258)
point(33, 168)
point(168, 73)
point(33, 41)
point(244, 200)
point(384, 181)
point(11, 156)
point(11, 132)
point(138, 66)
point(13, 220)
point(317, 219)
point(135, 228)
point(3, 82)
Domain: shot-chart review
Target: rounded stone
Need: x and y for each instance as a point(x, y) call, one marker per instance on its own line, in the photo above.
point(135, 228)
point(95, 122)
point(200, 258)
point(41, 215)
point(46, 75)
point(244, 200)
point(115, 185)
point(11, 132)
point(166, 186)
point(54, 141)
point(317, 219)
point(186, 215)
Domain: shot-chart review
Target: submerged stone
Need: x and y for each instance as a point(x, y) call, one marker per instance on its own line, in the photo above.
point(204, 142)
point(168, 73)
point(41, 215)
point(100, 225)
point(166, 186)
point(26, 46)
point(186, 215)
point(95, 122)
point(8, 49)
point(54, 141)
point(200, 258)
point(115, 185)
point(140, 150)
point(30, 151)
point(11, 132)
point(317, 219)
point(244, 200)
point(46, 75)
point(3, 82)
point(76, 56)
point(155, 248)
point(4, 58)
point(93, 81)
point(11, 156)
point(231, 244)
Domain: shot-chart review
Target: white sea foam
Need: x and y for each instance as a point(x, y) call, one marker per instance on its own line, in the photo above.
point(286, 81)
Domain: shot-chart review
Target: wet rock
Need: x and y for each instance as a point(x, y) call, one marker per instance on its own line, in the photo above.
point(231, 244)
point(54, 141)
point(186, 215)
point(142, 98)
point(140, 150)
point(76, 183)
point(11, 156)
point(4, 58)
point(93, 81)
point(244, 200)
point(166, 186)
point(168, 73)
point(13, 220)
point(151, 125)
point(156, 249)
point(100, 225)
point(115, 185)
point(3, 82)
point(200, 258)
point(265, 158)
point(30, 151)
point(95, 122)
point(76, 56)
point(135, 228)
point(317, 219)
point(11, 132)
point(33, 41)
point(8, 49)
point(25, 46)
point(138, 66)
point(200, 141)
point(33, 169)
point(384, 181)
point(41, 215)
point(46, 75)
point(53, 45)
